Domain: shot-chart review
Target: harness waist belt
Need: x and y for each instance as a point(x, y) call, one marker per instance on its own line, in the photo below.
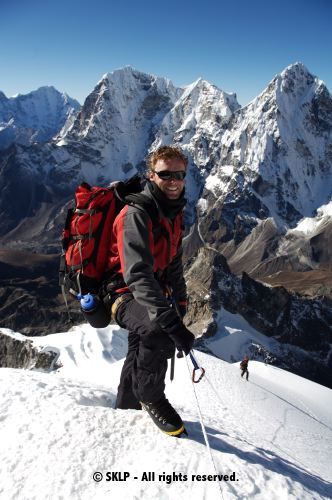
point(117, 303)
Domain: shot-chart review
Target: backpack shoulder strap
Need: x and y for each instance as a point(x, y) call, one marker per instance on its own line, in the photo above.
point(130, 193)
point(125, 188)
point(144, 202)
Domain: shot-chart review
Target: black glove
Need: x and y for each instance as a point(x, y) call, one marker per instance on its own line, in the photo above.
point(182, 338)
point(170, 323)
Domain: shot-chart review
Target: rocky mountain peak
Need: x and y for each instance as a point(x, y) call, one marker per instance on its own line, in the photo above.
point(122, 92)
point(287, 91)
point(34, 117)
point(280, 144)
point(203, 94)
point(117, 123)
point(197, 118)
point(130, 80)
point(296, 76)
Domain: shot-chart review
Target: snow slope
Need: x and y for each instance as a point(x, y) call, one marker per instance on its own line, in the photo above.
point(273, 433)
point(310, 226)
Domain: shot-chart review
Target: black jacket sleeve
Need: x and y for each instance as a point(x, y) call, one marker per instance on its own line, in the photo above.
point(137, 264)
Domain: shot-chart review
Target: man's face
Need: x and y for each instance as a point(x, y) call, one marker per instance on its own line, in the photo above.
point(172, 188)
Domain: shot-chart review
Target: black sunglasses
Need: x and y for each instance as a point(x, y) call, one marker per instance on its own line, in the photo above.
point(167, 175)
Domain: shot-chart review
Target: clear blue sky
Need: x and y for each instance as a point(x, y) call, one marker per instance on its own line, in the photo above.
point(237, 45)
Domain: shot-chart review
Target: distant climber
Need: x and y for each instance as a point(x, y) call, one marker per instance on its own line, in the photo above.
point(244, 367)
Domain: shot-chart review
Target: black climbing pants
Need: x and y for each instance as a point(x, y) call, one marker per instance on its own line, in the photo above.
point(144, 370)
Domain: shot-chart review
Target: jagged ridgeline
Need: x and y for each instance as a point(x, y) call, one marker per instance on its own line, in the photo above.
point(259, 191)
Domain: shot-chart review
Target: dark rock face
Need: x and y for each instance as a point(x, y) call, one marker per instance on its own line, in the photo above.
point(288, 317)
point(302, 326)
point(321, 112)
point(88, 108)
point(30, 202)
point(30, 297)
point(16, 353)
point(233, 219)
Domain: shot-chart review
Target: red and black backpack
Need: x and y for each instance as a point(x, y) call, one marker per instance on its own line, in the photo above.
point(86, 236)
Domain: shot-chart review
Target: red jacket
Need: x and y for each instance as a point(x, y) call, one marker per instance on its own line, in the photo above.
point(143, 255)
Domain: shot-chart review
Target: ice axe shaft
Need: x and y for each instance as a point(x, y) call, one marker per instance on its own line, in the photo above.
point(172, 368)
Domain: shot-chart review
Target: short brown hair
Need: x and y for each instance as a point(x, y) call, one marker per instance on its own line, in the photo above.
point(166, 153)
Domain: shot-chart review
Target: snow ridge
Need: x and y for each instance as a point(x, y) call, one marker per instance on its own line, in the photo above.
point(272, 435)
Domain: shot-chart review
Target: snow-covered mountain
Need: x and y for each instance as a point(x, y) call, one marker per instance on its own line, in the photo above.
point(281, 144)
point(194, 123)
point(270, 437)
point(272, 168)
point(34, 117)
point(117, 124)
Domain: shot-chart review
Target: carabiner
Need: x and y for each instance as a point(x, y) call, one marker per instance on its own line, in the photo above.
point(200, 377)
point(196, 367)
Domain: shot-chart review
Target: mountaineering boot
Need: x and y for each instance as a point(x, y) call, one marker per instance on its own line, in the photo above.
point(165, 417)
